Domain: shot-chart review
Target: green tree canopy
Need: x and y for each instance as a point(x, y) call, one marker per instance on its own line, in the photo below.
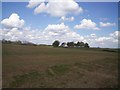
point(86, 45)
point(56, 43)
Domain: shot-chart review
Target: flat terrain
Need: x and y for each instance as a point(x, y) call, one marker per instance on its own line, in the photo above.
point(48, 67)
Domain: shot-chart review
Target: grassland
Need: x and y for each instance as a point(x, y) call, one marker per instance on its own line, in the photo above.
point(48, 67)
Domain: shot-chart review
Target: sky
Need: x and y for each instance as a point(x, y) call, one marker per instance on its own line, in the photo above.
point(43, 22)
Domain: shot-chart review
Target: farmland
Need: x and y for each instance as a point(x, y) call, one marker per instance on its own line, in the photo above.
point(49, 67)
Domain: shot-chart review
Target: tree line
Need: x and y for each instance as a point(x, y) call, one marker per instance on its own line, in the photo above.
point(17, 42)
point(70, 44)
point(56, 43)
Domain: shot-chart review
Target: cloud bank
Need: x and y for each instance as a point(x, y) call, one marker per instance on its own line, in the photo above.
point(13, 21)
point(52, 32)
point(107, 24)
point(70, 19)
point(87, 24)
point(55, 8)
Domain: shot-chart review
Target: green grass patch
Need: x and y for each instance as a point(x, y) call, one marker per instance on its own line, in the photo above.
point(83, 65)
point(110, 50)
point(50, 72)
point(21, 79)
point(89, 66)
point(59, 69)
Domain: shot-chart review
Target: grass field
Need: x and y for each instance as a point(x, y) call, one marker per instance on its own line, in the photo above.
point(48, 67)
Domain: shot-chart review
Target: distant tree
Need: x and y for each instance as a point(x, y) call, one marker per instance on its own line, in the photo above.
point(86, 45)
point(6, 41)
point(78, 44)
point(70, 44)
point(82, 44)
point(75, 44)
point(19, 42)
point(56, 43)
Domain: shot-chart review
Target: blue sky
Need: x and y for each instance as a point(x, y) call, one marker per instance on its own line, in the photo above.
point(92, 13)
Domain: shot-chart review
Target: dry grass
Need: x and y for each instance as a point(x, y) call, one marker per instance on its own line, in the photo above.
point(46, 67)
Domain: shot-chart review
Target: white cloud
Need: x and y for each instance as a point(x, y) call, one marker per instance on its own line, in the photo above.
point(87, 24)
point(61, 32)
point(33, 3)
point(109, 41)
point(40, 8)
point(13, 21)
point(63, 18)
point(116, 33)
point(102, 39)
point(56, 8)
point(12, 34)
point(107, 24)
point(58, 27)
point(52, 32)
point(93, 35)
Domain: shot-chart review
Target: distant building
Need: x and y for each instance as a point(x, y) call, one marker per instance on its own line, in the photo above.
point(64, 45)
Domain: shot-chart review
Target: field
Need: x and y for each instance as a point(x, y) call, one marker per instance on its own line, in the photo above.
point(49, 67)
